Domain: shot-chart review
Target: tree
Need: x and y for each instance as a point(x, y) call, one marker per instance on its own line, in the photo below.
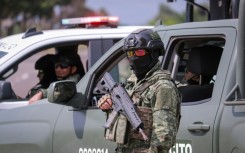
point(170, 17)
point(11, 9)
point(23, 14)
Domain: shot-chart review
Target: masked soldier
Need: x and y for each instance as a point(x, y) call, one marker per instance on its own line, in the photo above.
point(153, 92)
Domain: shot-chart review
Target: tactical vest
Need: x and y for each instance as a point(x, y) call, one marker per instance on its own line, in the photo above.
point(146, 117)
point(129, 140)
point(122, 132)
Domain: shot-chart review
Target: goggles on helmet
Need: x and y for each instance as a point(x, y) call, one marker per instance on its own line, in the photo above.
point(138, 52)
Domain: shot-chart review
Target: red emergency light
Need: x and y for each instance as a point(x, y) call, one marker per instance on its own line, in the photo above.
point(92, 22)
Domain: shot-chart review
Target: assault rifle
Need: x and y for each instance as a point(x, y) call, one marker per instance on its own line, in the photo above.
point(122, 103)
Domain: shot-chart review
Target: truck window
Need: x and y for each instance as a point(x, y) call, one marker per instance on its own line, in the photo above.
point(22, 75)
point(25, 76)
point(123, 71)
point(194, 63)
point(120, 72)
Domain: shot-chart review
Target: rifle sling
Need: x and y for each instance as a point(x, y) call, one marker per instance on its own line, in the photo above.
point(142, 88)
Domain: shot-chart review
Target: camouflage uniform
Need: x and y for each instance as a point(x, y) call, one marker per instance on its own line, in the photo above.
point(161, 122)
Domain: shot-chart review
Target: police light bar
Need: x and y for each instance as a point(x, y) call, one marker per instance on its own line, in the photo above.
point(88, 22)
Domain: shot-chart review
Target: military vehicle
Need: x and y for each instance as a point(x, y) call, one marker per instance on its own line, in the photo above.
point(69, 120)
point(90, 37)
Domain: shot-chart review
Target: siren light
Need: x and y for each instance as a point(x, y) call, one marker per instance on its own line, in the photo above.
point(92, 22)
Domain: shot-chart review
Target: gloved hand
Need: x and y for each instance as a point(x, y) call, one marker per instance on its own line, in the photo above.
point(105, 102)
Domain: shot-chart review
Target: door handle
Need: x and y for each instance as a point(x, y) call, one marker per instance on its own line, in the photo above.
point(198, 127)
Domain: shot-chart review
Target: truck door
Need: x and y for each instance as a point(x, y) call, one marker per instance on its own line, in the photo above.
point(81, 130)
point(232, 110)
point(231, 115)
point(28, 129)
point(197, 131)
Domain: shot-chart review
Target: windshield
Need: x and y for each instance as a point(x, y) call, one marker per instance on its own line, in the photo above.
point(2, 54)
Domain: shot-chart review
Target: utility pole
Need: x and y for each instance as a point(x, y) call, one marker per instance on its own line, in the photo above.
point(189, 12)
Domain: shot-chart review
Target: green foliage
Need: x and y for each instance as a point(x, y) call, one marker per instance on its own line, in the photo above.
point(170, 17)
point(32, 7)
point(200, 15)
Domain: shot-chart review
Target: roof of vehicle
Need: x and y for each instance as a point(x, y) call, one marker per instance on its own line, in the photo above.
point(7, 43)
point(203, 24)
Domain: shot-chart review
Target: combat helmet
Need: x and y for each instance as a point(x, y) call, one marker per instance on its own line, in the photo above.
point(144, 39)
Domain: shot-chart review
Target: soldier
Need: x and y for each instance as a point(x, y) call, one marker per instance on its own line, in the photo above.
point(188, 79)
point(153, 92)
point(46, 73)
point(66, 68)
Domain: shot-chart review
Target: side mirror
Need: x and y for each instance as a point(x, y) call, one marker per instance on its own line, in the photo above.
point(6, 91)
point(61, 92)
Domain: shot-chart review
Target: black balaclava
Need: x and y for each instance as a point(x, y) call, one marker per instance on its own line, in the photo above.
point(141, 65)
point(143, 39)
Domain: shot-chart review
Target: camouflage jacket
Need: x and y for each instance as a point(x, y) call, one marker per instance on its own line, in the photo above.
point(163, 97)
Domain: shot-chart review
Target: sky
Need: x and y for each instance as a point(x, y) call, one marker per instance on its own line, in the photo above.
point(135, 12)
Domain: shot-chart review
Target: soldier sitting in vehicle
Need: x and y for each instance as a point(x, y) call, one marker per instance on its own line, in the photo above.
point(66, 68)
point(72, 50)
point(202, 66)
point(191, 78)
point(46, 73)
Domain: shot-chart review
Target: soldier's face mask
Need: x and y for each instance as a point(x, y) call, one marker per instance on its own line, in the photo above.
point(139, 61)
